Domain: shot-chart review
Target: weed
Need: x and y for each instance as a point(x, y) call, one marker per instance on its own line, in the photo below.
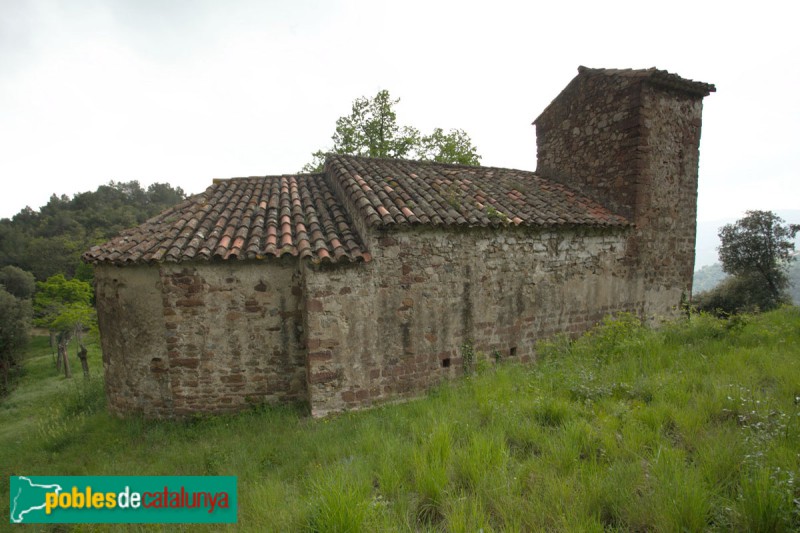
point(468, 357)
point(431, 464)
point(551, 412)
point(764, 504)
point(496, 216)
point(482, 459)
point(338, 502)
point(85, 396)
point(497, 356)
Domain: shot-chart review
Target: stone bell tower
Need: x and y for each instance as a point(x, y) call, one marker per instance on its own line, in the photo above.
point(630, 139)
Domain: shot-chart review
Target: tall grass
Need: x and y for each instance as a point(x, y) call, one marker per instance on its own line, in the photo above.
point(691, 427)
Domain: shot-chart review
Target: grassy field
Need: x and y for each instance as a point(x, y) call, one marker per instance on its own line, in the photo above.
point(693, 427)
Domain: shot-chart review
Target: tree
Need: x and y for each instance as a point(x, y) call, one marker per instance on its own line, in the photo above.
point(371, 130)
point(15, 316)
point(452, 147)
point(51, 240)
point(758, 248)
point(17, 282)
point(64, 307)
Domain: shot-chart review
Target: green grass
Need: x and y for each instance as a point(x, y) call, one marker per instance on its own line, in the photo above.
point(694, 427)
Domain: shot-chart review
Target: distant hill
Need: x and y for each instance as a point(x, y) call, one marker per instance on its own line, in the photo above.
point(50, 240)
point(708, 277)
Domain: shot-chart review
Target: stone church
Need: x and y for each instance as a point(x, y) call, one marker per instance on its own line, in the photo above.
point(361, 284)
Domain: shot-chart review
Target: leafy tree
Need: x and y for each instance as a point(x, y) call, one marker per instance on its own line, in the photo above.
point(756, 252)
point(51, 240)
point(371, 130)
point(15, 315)
point(64, 307)
point(452, 147)
point(17, 282)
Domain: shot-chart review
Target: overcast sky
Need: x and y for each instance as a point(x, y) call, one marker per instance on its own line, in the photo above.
point(188, 91)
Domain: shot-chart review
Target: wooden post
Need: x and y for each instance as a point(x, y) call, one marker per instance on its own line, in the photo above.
point(84, 362)
point(63, 354)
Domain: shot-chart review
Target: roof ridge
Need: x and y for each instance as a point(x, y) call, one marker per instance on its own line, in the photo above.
point(420, 162)
point(385, 192)
point(214, 181)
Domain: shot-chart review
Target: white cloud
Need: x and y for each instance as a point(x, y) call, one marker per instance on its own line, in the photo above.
point(186, 92)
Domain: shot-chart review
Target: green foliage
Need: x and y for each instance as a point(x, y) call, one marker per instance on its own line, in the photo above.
point(371, 130)
point(60, 290)
point(496, 216)
point(340, 503)
point(16, 289)
point(17, 282)
point(15, 315)
point(759, 247)
point(63, 305)
point(468, 357)
point(51, 240)
point(736, 294)
point(765, 501)
point(59, 425)
point(454, 146)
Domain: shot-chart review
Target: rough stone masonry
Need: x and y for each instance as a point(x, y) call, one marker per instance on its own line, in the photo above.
point(361, 284)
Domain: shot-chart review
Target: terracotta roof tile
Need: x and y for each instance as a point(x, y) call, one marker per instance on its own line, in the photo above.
point(243, 218)
point(412, 193)
point(304, 216)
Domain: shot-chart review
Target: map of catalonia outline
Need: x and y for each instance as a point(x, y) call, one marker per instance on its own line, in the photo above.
point(18, 516)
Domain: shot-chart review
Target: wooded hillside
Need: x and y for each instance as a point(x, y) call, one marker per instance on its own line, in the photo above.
point(51, 240)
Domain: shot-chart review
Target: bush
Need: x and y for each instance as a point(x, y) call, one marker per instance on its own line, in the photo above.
point(14, 317)
point(738, 294)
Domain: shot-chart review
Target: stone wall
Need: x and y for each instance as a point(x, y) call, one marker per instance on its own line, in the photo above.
point(666, 209)
point(632, 145)
point(131, 324)
point(205, 337)
point(395, 326)
point(588, 138)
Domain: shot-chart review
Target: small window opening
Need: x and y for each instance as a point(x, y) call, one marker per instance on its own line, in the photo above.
point(446, 362)
point(512, 352)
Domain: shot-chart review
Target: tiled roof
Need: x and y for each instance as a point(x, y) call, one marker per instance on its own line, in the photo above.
point(390, 192)
point(656, 76)
point(305, 215)
point(243, 218)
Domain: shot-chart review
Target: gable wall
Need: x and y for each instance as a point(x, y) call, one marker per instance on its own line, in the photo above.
point(205, 337)
point(381, 330)
point(587, 138)
point(234, 334)
point(131, 322)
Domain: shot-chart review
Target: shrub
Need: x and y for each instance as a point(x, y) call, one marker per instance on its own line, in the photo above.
point(737, 294)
